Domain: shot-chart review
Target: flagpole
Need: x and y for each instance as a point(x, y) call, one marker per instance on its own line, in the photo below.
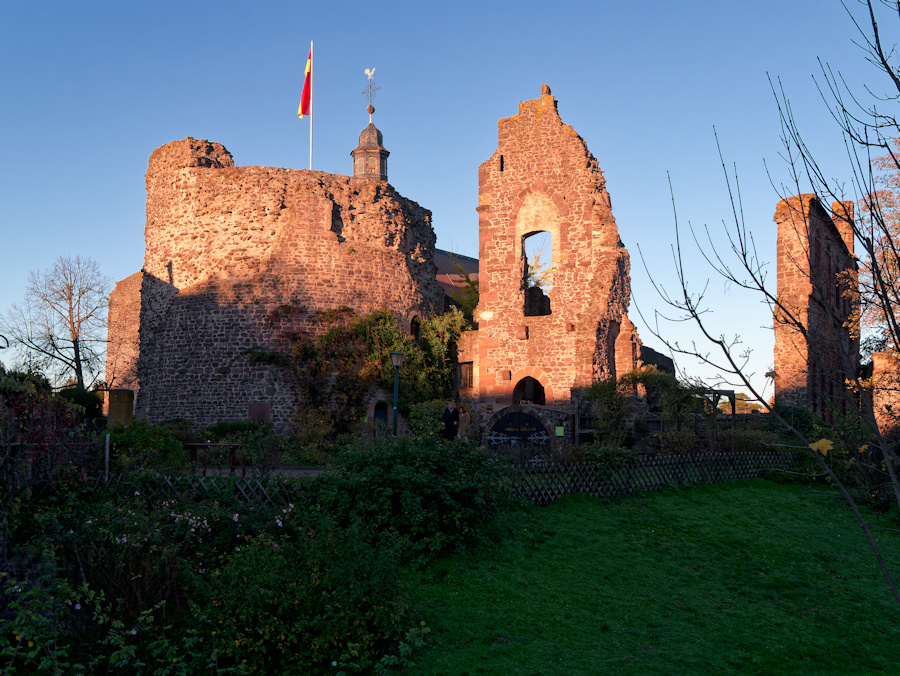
point(311, 98)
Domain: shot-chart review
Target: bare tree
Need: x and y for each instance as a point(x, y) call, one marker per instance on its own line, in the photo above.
point(868, 123)
point(61, 322)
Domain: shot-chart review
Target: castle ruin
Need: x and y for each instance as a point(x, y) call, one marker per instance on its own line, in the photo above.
point(816, 346)
point(531, 349)
point(240, 259)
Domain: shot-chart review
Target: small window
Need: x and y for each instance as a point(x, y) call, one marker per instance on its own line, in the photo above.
point(502, 168)
point(467, 375)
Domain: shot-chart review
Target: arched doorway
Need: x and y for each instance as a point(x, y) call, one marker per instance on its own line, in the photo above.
point(529, 391)
point(516, 430)
point(380, 416)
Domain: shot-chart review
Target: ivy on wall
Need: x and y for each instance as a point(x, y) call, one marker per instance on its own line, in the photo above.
point(335, 368)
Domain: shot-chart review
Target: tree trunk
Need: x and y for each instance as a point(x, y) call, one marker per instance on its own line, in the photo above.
point(76, 362)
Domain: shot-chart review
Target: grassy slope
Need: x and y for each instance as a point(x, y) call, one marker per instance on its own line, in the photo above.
point(748, 576)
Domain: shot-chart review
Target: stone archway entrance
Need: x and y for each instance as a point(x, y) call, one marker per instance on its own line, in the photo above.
point(517, 428)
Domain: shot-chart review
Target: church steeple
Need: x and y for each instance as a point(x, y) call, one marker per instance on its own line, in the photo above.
point(370, 156)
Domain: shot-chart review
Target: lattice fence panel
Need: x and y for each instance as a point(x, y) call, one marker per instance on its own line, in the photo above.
point(542, 483)
point(548, 481)
point(271, 492)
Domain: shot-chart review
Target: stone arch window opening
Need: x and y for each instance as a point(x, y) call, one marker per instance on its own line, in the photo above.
point(415, 330)
point(537, 272)
point(537, 252)
point(529, 391)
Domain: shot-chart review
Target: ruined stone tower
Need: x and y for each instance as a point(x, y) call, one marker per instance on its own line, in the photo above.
point(815, 349)
point(238, 260)
point(530, 348)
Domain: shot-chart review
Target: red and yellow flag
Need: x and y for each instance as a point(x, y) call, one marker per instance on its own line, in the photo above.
point(306, 97)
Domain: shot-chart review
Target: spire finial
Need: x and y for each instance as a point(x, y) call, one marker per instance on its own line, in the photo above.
point(369, 92)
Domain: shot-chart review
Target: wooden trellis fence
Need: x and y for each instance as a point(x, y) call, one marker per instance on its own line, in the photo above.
point(542, 482)
point(545, 481)
point(273, 492)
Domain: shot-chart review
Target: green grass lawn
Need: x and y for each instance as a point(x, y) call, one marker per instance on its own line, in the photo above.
point(748, 576)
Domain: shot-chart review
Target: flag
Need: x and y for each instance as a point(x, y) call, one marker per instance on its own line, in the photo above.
point(305, 98)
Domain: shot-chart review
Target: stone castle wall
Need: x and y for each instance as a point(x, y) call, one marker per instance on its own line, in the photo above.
point(542, 177)
point(815, 351)
point(243, 257)
point(122, 351)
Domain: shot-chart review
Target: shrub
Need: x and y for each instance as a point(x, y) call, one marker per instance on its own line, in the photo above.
point(802, 419)
point(428, 496)
point(90, 402)
point(608, 460)
point(141, 445)
point(227, 430)
point(54, 451)
point(263, 449)
point(742, 438)
point(312, 429)
point(610, 405)
point(296, 607)
point(425, 418)
point(191, 586)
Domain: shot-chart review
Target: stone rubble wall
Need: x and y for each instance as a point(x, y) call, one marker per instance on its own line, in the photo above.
point(124, 318)
point(815, 352)
point(542, 177)
point(243, 257)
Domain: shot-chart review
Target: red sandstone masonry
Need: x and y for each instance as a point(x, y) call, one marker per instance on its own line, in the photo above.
point(543, 178)
point(239, 257)
point(814, 253)
point(124, 320)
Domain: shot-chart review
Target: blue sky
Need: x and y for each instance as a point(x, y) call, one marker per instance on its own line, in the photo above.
point(90, 89)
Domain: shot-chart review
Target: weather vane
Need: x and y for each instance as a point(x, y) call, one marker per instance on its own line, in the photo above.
point(369, 91)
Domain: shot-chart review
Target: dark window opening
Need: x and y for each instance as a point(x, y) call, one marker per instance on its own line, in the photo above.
point(614, 330)
point(501, 164)
point(381, 413)
point(529, 391)
point(415, 328)
point(537, 273)
point(466, 375)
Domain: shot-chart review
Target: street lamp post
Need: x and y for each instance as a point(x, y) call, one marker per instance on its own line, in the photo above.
point(397, 361)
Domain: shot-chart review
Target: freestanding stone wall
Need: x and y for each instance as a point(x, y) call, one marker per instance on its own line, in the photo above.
point(816, 350)
point(243, 257)
point(124, 321)
point(542, 178)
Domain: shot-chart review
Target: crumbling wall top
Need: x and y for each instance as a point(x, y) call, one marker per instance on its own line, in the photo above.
point(189, 152)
